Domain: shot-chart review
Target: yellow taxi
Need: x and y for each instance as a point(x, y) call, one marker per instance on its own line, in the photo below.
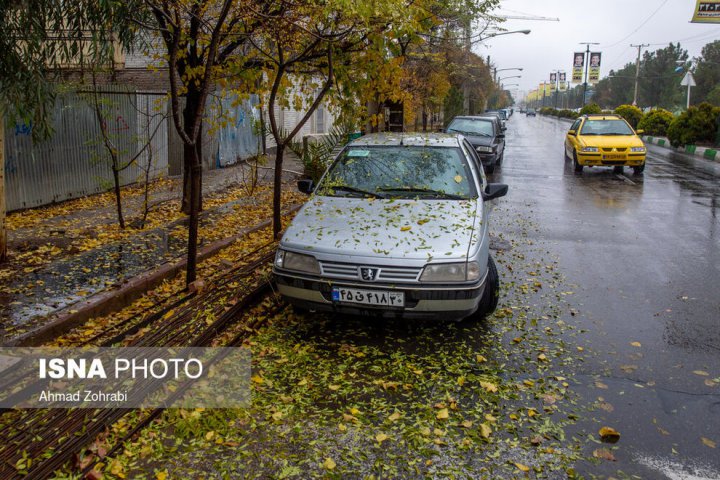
point(604, 140)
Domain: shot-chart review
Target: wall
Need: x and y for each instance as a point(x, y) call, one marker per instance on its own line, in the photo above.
point(74, 162)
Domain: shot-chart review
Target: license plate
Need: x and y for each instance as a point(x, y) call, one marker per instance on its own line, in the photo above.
point(368, 297)
point(614, 156)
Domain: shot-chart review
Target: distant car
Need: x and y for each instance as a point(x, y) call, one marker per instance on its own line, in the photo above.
point(485, 137)
point(397, 227)
point(530, 112)
point(604, 140)
point(496, 114)
point(502, 113)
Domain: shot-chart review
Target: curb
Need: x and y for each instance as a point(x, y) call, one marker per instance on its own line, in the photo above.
point(109, 301)
point(707, 153)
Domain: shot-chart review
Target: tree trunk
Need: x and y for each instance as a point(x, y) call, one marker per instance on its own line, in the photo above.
point(118, 199)
point(3, 233)
point(193, 222)
point(277, 187)
point(189, 151)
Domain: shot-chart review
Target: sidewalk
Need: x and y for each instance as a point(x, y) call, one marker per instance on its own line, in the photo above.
point(703, 152)
point(67, 253)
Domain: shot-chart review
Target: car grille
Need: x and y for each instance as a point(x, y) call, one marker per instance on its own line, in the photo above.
point(349, 271)
point(614, 149)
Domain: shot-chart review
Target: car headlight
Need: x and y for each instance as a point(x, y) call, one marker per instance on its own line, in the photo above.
point(637, 149)
point(484, 149)
point(297, 262)
point(590, 149)
point(451, 272)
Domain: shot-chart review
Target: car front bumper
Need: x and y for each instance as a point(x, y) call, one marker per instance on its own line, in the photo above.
point(598, 159)
point(421, 302)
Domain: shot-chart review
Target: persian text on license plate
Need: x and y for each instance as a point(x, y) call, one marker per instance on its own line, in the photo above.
point(614, 156)
point(368, 297)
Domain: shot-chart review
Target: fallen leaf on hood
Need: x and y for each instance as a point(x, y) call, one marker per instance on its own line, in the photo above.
point(608, 434)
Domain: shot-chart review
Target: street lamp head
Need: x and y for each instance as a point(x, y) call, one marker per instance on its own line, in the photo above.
point(524, 31)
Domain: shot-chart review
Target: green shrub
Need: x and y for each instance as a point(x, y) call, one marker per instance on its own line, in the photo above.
point(698, 125)
point(631, 113)
point(656, 122)
point(590, 108)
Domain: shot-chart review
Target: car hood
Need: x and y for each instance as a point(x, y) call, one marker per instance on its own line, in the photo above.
point(609, 141)
point(408, 229)
point(477, 140)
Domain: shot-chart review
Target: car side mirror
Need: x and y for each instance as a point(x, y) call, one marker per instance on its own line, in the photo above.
point(640, 132)
point(306, 186)
point(500, 135)
point(494, 190)
point(572, 132)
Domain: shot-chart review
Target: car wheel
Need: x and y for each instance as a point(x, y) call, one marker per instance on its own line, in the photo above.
point(576, 165)
point(490, 168)
point(639, 169)
point(500, 159)
point(618, 169)
point(491, 294)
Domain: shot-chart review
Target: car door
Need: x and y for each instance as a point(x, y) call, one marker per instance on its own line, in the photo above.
point(571, 140)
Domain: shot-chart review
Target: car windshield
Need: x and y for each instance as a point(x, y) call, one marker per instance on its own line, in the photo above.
point(470, 126)
point(606, 127)
point(400, 172)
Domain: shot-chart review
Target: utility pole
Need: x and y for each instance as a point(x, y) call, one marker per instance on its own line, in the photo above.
point(587, 65)
point(637, 70)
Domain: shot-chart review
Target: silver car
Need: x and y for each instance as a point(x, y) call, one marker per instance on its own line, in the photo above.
point(397, 227)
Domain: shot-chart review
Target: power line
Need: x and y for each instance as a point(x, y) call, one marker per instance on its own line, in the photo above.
point(638, 28)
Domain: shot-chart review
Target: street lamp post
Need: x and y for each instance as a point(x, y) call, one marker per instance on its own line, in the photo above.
point(587, 65)
point(468, 41)
point(495, 70)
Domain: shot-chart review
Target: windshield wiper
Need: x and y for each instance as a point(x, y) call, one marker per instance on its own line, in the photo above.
point(348, 188)
point(426, 191)
point(475, 134)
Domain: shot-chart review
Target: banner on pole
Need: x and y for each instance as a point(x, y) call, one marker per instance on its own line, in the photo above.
point(594, 75)
point(578, 64)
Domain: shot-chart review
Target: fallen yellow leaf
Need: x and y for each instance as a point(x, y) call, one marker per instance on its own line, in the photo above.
point(329, 463)
point(381, 437)
point(490, 387)
point(702, 373)
point(636, 344)
point(521, 467)
point(161, 475)
point(609, 434)
point(708, 442)
point(442, 414)
point(485, 430)
point(405, 228)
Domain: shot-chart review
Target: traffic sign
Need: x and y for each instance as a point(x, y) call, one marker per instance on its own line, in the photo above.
point(688, 80)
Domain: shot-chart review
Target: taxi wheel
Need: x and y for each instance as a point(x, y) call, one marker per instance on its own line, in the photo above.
point(491, 294)
point(576, 165)
point(639, 169)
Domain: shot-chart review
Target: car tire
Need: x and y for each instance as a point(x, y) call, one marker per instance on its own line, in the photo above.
point(618, 169)
point(500, 159)
point(491, 293)
point(578, 168)
point(490, 168)
point(639, 169)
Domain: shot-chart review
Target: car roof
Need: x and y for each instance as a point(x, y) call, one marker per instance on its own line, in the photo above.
point(602, 116)
point(476, 117)
point(407, 139)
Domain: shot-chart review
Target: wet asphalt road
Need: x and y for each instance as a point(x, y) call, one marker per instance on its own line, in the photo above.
point(644, 255)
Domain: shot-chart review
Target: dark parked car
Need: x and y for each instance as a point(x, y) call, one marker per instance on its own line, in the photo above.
point(497, 115)
point(485, 137)
point(530, 112)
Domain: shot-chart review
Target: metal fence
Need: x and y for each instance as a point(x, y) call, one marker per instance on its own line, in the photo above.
point(74, 161)
point(239, 135)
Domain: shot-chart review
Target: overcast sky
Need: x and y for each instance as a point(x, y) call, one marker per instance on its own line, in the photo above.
point(614, 24)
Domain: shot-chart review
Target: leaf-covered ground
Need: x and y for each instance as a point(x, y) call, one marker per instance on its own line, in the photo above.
point(74, 249)
point(362, 398)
